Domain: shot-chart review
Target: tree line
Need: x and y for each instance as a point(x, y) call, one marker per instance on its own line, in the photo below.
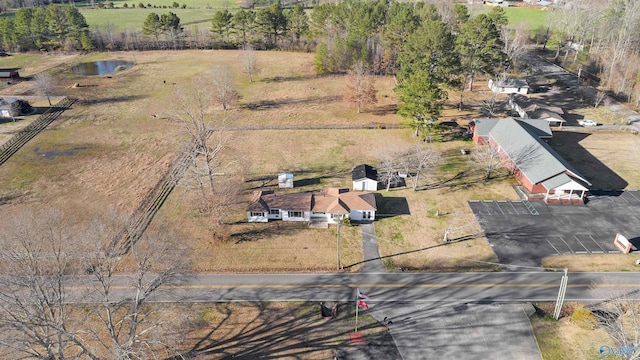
point(45, 28)
point(603, 38)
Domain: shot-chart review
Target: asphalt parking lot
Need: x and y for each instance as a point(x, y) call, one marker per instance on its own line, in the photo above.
point(523, 233)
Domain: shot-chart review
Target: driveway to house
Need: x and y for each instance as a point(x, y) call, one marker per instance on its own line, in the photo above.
point(522, 235)
point(372, 262)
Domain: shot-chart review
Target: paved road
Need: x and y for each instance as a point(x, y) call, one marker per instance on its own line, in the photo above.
point(406, 287)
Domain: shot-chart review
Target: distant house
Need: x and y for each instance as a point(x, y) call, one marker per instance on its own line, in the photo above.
point(496, 3)
point(364, 177)
point(528, 109)
point(331, 205)
point(285, 180)
point(543, 173)
point(509, 86)
point(9, 74)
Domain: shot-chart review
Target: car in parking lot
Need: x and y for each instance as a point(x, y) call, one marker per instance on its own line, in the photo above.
point(587, 123)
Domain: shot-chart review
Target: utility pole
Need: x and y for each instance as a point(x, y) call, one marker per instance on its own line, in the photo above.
point(561, 292)
point(338, 242)
point(579, 73)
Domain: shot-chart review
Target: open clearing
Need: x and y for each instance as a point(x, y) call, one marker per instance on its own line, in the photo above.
point(108, 151)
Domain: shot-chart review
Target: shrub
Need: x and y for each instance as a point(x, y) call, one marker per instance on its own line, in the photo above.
point(184, 6)
point(125, 5)
point(175, 5)
point(583, 317)
point(141, 5)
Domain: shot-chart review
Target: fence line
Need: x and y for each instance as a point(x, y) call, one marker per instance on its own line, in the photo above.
point(30, 131)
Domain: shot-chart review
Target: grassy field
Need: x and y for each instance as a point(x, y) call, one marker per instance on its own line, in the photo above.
point(122, 19)
point(535, 18)
point(108, 151)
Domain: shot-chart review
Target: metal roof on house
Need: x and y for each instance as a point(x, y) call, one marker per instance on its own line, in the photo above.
point(534, 158)
point(331, 200)
point(539, 127)
point(266, 200)
point(364, 171)
point(483, 125)
point(5, 102)
point(560, 181)
point(511, 83)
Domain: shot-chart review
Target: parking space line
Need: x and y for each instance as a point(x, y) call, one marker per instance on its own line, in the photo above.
point(610, 248)
point(568, 247)
point(630, 196)
point(631, 193)
point(498, 205)
point(594, 240)
point(514, 208)
point(581, 244)
point(621, 196)
point(554, 248)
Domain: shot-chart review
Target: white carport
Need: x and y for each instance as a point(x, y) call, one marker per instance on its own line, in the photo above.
point(563, 187)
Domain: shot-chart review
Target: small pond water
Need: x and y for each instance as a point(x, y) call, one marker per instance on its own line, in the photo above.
point(102, 67)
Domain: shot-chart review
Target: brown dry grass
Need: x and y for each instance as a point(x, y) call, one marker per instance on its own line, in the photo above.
point(282, 330)
point(564, 339)
point(114, 152)
point(610, 160)
point(593, 262)
point(279, 330)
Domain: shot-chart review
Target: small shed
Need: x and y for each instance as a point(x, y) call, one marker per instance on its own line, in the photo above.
point(9, 107)
point(9, 74)
point(285, 180)
point(509, 86)
point(364, 177)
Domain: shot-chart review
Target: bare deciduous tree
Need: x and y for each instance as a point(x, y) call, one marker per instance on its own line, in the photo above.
point(488, 159)
point(224, 92)
point(45, 85)
point(249, 62)
point(458, 223)
point(360, 89)
point(390, 163)
point(418, 161)
point(35, 318)
point(192, 111)
point(619, 316)
point(515, 42)
point(599, 98)
point(135, 329)
point(40, 316)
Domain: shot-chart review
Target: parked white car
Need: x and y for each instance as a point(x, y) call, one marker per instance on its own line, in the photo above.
point(587, 123)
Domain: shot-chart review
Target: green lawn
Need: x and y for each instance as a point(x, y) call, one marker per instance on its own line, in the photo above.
point(19, 60)
point(122, 18)
point(534, 17)
point(197, 4)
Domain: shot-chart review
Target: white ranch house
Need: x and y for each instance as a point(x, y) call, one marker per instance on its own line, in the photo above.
point(330, 206)
point(509, 86)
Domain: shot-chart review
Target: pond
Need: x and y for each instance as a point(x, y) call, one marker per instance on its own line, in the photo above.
point(102, 67)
